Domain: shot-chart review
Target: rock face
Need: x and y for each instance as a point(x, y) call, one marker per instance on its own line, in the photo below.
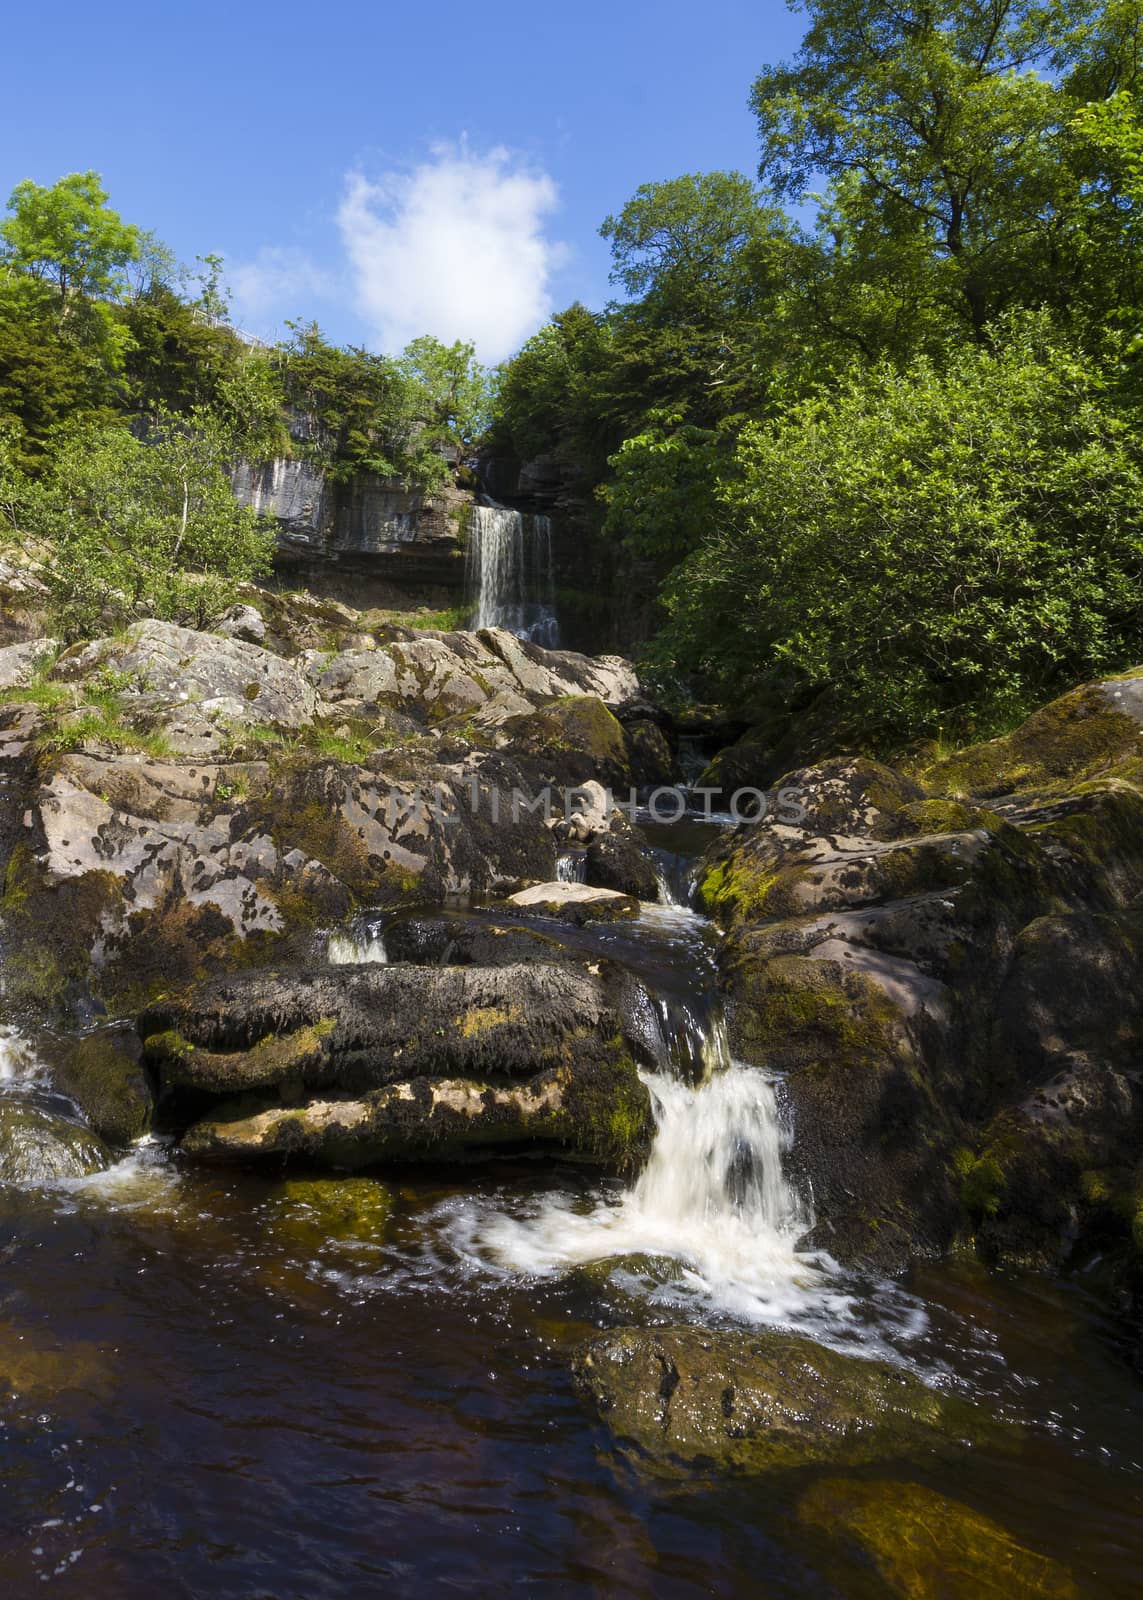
point(361, 1065)
point(367, 540)
point(757, 1403)
point(944, 966)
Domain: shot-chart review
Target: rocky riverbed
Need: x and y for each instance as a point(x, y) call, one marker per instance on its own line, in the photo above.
point(313, 894)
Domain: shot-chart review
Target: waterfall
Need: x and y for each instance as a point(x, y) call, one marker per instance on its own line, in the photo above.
point(572, 867)
point(713, 1216)
point(510, 574)
point(348, 950)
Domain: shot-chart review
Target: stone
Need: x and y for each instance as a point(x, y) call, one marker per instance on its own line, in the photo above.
point(102, 1075)
point(39, 1147)
point(572, 900)
point(922, 1544)
point(242, 622)
point(762, 1402)
point(20, 663)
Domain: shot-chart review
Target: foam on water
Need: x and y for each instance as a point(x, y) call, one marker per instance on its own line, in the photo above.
point(712, 1226)
point(18, 1063)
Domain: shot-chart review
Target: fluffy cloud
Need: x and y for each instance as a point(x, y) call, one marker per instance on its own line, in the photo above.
point(455, 247)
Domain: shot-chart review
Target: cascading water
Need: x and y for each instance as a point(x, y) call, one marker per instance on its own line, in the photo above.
point(348, 950)
point(571, 867)
point(510, 574)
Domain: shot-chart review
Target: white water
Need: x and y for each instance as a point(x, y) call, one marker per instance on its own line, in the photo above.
point(18, 1062)
point(346, 950)
point(572, 867)
point(510, 574)
point(713, 1210)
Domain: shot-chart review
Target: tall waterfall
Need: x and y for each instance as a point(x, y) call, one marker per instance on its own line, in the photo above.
point(510, 575)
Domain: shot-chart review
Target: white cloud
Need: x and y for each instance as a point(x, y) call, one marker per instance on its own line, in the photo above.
point(277, 284)
point(455, 247)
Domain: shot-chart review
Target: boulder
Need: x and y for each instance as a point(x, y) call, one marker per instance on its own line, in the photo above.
point(573, 902)
point(101, 1073)
point(569, 742)
point(38, 1146)
point(761, 1402)
point(619, 860)
point(365, 1026)
point(361, 1065)
point(19, 663)
point(194, 684)
point(923, 1544)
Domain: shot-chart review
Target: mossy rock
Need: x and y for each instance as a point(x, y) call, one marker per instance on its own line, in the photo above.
point(570, 741)
point(765, 1402)
point(924, 1546)
point(1089, 732)
point(108, 1085)
point(309, 1216)
point(38, 1147)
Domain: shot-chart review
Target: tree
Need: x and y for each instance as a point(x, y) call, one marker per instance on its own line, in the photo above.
point(448, 391)
point(950, 124)
point(68, 238)
point(942, 549)
point(144, 528)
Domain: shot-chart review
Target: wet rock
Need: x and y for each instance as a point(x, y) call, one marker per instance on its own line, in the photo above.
point(37, 1146)
point(102, 1075)
point(465, 941)
point(619, 860)
point(310, 1216)
point(922, 1544)
point(762, 1402)
point(594, 1112)
point(652, 759)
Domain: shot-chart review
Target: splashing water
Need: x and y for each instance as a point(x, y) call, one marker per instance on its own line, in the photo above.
point(712, 1222)
point(18, 1062)
point(347, 950)
point(511, 576)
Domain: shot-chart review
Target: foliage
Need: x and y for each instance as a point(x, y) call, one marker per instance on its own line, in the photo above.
point(940, 548)
point(143, 528)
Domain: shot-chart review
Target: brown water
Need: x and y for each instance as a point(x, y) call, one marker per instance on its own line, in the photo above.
point(204, 1396)
point(203, 1410)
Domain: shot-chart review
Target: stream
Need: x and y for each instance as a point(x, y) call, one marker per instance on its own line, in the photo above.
point(199, 1385)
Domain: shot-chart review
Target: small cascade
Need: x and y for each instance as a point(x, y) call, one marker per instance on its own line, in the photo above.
point(17, 1060)
point(510, 574)
point(572, 867)
point(350, 950)
point(713, 1217)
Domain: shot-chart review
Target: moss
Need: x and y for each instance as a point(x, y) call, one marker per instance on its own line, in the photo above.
point(981, 1180)
point(1075, 737)
point(921, 1544)
point(274, 1061)
point(109, 1087)
point(483, 1018)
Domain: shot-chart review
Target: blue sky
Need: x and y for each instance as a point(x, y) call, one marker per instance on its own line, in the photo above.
point(384, 168)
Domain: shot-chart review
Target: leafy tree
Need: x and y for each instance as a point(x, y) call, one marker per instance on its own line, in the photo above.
point(950, 125)
point(68, 238)
point(144, 528)
point(662, 498)
point(448, 391)
point(943, 549)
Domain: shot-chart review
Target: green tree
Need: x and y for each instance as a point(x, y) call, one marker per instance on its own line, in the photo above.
point(941, 549)
point(448, 392)
point(68, 238)
point(148, 528)
point(949, 125)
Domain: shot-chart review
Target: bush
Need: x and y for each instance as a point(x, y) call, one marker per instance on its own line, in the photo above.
point(942, 549)
point(136, 528)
